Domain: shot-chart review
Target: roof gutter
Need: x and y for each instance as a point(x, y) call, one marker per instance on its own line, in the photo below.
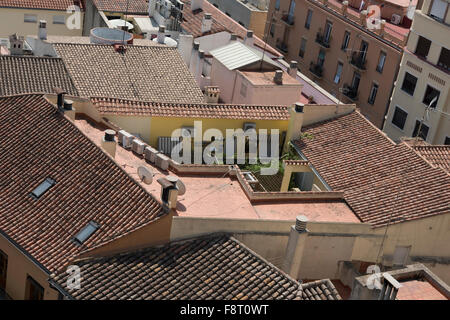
point(58, 288)
point(300, 153)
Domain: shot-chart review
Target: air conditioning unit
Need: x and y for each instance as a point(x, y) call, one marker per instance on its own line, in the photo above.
point(125, 139)
point(396, 19)
point(249, 125)
point(185, 131)
point(138, 146)
point(162, 161)
point(150, 154)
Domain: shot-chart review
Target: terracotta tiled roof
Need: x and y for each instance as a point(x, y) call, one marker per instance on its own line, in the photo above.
point(111, 106)
point(36, 143)
point(378, 177)
point(437, 155)
point(153, 73)
point(208, 267)
point(38, 4)
point(133, 6)
point(20, 74)
point(192, 22)
point(320, 290)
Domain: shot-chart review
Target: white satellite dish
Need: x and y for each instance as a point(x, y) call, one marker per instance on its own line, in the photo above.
point(145, 174)
point(119, 23)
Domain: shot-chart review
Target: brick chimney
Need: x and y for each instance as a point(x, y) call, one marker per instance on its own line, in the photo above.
point(16, 45)
point(292, 70)
point(42, 33)
point(212, 94)
point(249, 39)
point(295, 247)
point(196, 5)
point(109, 142)
point(278, 78)
point(206, 23)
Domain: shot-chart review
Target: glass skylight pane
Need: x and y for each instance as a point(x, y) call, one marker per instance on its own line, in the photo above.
point(43, 187)
point(86, 232)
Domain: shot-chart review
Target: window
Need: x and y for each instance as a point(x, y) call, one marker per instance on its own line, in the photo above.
point(444, 59)
point(42, 188)
point(438, 9)
point(447, 141)
point(399, 118)
point(346, 40)
point(277, 5)
point(308, 19)
point(381, 61)
point(327, 33)
point(373, 94)
point(363, 51)
point(355, 81)
point(301, 53)
point(337, 77)
point(409, 83)
point(86, 232)
point(423, 130)
point(59, 19)
point(423, 47)
point(30, 18)
point(3, 268)
point(321, 58)
point(34, 291)
point(272, 29)
point(429, 96)
point(243, 90)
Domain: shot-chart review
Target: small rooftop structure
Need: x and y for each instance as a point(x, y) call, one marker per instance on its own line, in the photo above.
point(110, 36)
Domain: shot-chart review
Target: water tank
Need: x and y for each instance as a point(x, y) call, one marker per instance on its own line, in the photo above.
point(110, 36)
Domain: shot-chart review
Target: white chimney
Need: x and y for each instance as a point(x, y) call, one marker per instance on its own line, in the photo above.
point(206, 23)
point(161, 34)
point(292, 70)
point(249, 38)
point(194, 58)
point(42, 30)
point(151, 7)
point(199, 67)
point(185, 46)
point(108, 142)
point(196, 5)
point(295, 247)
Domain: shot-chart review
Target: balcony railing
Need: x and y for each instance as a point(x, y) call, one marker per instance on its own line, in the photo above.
point(350, 92)
point(316, 69)
point(282, 46)
point(358, 61)
point(288, 18)
point(322, 40)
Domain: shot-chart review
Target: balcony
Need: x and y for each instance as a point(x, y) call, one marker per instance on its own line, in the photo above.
point(350, 92)
point(358, 61)
point(322, 40)
point(282, 46)
point(316, 69)
point(287, 18)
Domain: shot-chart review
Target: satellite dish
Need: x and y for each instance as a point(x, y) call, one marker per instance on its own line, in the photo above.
point(145, 174)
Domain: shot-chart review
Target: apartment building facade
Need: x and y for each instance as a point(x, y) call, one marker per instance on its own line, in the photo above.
point(335, 48)
point(421, 96)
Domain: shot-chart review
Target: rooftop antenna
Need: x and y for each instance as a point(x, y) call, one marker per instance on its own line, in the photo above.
point(265, 40)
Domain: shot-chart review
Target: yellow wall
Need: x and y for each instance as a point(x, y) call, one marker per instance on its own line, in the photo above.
point(12, 21)
point(19, 267)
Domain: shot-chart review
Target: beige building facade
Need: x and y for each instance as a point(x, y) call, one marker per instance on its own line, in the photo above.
point(24, 21)
point(424, 76)
point(336, 50)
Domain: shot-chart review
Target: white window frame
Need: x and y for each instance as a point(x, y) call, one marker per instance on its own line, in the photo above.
point(340, 74)
point(382, 53)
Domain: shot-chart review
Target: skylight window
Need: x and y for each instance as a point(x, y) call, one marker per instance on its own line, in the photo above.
point(42, 188)
point(86, 232)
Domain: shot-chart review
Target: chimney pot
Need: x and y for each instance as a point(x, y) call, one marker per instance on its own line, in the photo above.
point(60, 94)
point(68, 104)
point(233, 37)
point(42, 30)
point(196, 45)
point(249, 34)
point(249, 38)
point(278, 78)
point(300, 223)
point(206, 23)
point(109, 135)
point(161, 34)
point(201, 54)
point(299, 107)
